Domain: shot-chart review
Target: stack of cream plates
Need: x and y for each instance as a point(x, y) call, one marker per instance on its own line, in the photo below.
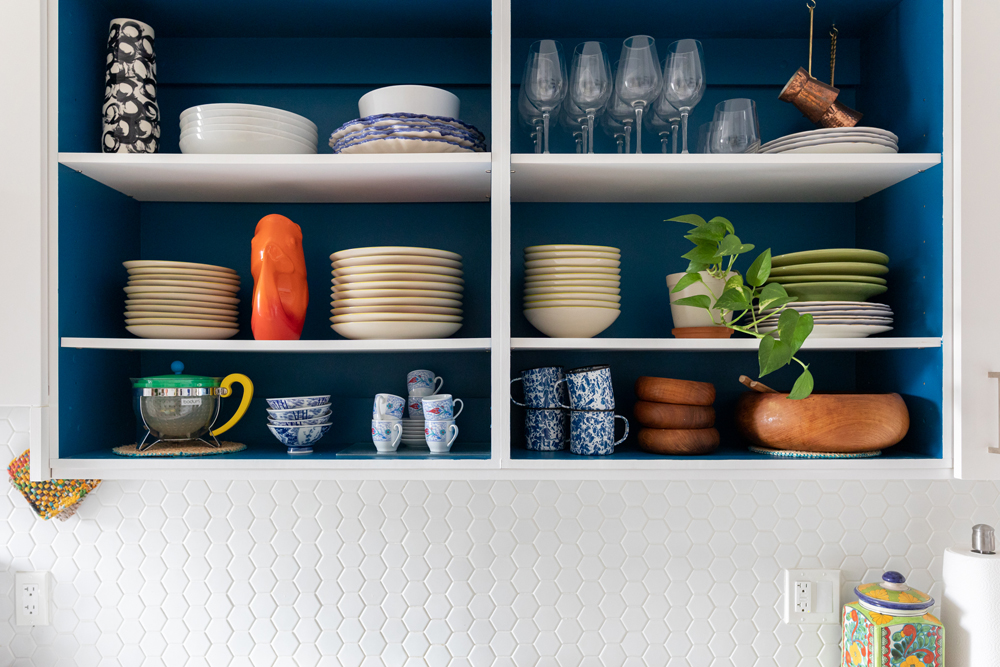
point(413, 433)
point(396, 292)
point(571, 291)
point(837, 319)
point(181, 300)
point(246, 128)
point(835, 140)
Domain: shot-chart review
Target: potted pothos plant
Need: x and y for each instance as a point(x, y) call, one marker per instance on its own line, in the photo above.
point(731, 296)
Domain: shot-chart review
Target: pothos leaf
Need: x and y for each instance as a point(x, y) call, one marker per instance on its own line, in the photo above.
point(725, 223)
point(712, 231)
point(803, 328)
point(730, 245)
point(733, 299)
point(778, 356)
point(690, 219)
point(802, 387)
point(770, 294)
point(759, 271)
point(734, 281)
point(704, 254)
point(686, 281)
point(786, 326)
point(697, 301)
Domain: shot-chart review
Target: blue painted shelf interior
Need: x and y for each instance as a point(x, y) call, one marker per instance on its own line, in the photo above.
point(889, 66)
point(315, 59)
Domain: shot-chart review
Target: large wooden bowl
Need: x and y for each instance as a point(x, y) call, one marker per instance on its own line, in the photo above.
point(833, 423)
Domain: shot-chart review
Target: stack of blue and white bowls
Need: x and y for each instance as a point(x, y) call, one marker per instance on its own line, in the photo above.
point(546, 423)
point(592, 411)
point(300, 421)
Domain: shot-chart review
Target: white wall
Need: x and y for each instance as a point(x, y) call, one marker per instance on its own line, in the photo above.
point(463, 573)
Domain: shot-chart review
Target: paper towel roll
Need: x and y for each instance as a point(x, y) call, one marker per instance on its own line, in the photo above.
point(970, 610)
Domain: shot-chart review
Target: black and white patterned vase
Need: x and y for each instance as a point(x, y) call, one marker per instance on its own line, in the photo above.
point(131, 115)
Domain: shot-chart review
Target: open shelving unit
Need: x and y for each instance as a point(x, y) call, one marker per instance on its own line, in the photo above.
point(203, 208)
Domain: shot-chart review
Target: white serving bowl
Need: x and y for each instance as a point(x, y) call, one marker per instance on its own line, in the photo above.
point(588, 262)
point(257, 124)
point(396, 330)
point(567, 289)
point(425, 100)
point(251, 110)
point(571, 322)
point(586, 303)
point(243, 143)
point(574, 296)
point(209, 130)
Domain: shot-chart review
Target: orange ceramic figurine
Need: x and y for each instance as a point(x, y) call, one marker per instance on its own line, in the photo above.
point(280, 292)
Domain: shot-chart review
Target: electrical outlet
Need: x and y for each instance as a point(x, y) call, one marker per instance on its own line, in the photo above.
point(812, 597)
point(31, 598)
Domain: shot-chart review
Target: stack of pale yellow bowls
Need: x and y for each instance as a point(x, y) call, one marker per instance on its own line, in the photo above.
point(169, 299)
point(571, 291)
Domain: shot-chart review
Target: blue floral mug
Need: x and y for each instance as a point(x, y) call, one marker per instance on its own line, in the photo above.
point(388, 406)
point(541, 387)
point(440, 435)
point(545, 429)
point(592, 432)
point(589, 388)
point(423, 383)
point(441, 407)
point(386, 434)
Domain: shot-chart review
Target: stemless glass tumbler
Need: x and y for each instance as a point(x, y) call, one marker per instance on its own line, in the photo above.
point(736, 127)
point(639, 78)
point(545, 82)
point(684, 80)
point(590, 83)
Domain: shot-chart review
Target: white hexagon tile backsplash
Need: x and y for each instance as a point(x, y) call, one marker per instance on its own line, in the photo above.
point(449, 574)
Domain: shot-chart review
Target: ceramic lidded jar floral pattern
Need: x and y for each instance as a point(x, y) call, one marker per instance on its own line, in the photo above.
point(890, 626)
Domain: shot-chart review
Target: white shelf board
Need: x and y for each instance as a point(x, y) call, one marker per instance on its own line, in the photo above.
point(715, 344)
point(420, 345)
point(709, 178)
point(290, 178)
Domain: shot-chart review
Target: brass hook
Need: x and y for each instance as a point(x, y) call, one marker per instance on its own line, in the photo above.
point(811, 4)
point(833, 50)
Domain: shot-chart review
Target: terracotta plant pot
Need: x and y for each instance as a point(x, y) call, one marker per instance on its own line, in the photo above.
point(834, 423)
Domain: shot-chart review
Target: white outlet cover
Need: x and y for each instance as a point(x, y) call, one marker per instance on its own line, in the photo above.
point(825, 598)
point(22, 601)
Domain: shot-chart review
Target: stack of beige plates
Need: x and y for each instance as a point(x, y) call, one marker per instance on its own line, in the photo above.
point(181, 300)
point(393, 292)
point(571, 291)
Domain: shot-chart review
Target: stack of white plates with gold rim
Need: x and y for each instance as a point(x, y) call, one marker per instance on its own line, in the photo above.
point(396, 292)
point(571, 291)
point(181, 300)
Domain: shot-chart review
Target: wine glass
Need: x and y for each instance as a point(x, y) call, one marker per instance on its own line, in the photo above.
point(574, 121)
point(614, 129)
point(737, 128)
point(622, 112)
point(545, 82)
point(654, 123)
point(590, 84)
point(530, 118)
point(639, 78)
point(684, 80)
point(668, 112)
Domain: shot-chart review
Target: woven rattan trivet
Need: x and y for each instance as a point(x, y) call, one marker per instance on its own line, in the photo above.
point(181, 448)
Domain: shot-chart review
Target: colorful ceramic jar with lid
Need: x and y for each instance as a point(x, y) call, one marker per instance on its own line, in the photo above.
point(891, 626)
point(184, 407)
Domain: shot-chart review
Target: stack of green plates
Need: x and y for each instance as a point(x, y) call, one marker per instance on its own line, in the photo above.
point(834, 274)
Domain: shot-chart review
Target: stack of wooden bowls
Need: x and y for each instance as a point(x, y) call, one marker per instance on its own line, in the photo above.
point(677, 416)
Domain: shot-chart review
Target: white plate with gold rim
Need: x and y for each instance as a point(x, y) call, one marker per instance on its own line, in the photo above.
point(132, 314)
point(228, 279)
point(181, 321)
point(396, 259)
point(430, 310)
point(566, 247)
point(182, 306)
point(183, 292)
point(205, 274)
point(578, 296)
point(584, 289)
point(178, 332)
point(575, 303)
point(394, 250)
point(395, 330)
point(219, 287)
point(150, 263)
point(398, 301)
point(397, 277)
point(563, 254)
point(539, 283)
point(394, 317)
point(587, 262)
point(393, 292)
point(560, 271)
point(398, 268)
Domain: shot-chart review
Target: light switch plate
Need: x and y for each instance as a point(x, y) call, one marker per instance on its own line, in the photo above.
point(812, 597)
point(31, 598)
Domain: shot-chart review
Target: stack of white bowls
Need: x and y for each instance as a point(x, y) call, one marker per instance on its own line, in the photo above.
point(246, 128)
point(390, 292)
point(181, 300)
point(571, 291)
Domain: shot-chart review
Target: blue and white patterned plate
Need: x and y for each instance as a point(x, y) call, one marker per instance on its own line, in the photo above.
point(792, 454)
point(396, 118)
point(438, 131)
point(404, 145)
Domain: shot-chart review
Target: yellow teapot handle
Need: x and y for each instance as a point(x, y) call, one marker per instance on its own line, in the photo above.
point(227, 390)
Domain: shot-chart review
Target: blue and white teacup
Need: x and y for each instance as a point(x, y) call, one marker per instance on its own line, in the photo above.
point(300, 413)
point(441, 407)
point(546, 429)
point(298, 439)
point(386, 434)
point(388, 406)
point(415, 407)
point(423, 383)
point(440, 435)
point(590, 388)
point(541, 387)
point(297, 402)
point(592, 432)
